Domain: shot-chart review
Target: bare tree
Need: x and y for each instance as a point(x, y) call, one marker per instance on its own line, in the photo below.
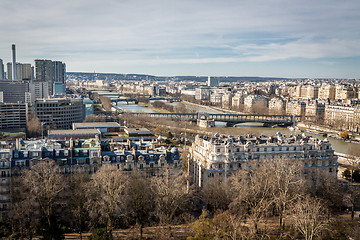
point(252, 190)
point(287, 184)
point(140, 204)
point(22, 211)
point(354, 159)
point(106, 196)
point(77, 214)
point(44, 184)
point(33, 127)
point(170, 197)
point(216, 195)
point(309, 217)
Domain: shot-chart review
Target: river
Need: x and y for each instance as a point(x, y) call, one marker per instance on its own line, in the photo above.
point(338, 145)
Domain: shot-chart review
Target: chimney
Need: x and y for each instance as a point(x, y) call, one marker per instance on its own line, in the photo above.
point(13, 63)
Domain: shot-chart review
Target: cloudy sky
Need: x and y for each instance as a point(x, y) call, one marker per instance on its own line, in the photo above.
point(279, 38)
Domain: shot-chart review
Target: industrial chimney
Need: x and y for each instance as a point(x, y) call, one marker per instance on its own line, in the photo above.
point(13, 63)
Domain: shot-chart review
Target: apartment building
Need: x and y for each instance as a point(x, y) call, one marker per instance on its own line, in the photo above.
point(343, 117)
point(222, 156)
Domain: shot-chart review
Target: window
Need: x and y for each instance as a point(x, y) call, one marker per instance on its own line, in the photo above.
point(330, 169)
point(218, 150)
point(231, 166)
point(141, 166)
point(239, 166)
point(220, 166)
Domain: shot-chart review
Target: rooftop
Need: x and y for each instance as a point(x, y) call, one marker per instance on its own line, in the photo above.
point(73, 132)
point(96, 124)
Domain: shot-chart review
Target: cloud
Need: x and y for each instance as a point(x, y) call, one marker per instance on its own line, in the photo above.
point(186, 32)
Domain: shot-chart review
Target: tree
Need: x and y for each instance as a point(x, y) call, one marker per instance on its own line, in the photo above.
point(344, 135)
point(216, 195)
point(139, 196)
point(33, 127)
point(77, 212)
point(44, 185)
point(309, 217)
point(287, 184)
point(353, 160)
point(106, 196)
point(252, 190)
point(171, 197)
point(352, 197)
point(202, 228)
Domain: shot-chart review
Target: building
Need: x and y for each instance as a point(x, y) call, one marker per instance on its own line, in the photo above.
point(81, 156)
point(327, 91)
point(74, 134)
point(344, 92)
point(221, 156)
point(255, 101)
point(216, 98)
point(59, 113)
point(343, 117)
point(101, 126)
point(23, 71)
point(13, 116)
point(212, 82)
point(227, 100)
point(2, 73)
point(295, 108)
point(38, 90)
point(237, 101)
point(203, 93)
point(14, 91)
point(315, 111)
point(50, 71)
point(277, 106)
point(88, 106)
point(59, 88)
point(312, 92)
point(5, 177)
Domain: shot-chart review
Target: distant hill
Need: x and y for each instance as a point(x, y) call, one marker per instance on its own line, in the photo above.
point(118, 76)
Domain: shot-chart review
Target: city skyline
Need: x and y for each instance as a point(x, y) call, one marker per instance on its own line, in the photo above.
point(233, 38)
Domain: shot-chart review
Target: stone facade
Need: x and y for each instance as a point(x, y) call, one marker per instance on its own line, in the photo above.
point(222, 156)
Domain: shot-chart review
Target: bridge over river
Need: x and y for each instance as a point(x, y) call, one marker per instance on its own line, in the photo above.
point(230, 119)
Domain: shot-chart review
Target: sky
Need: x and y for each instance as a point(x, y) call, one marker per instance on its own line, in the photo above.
point(268, 38)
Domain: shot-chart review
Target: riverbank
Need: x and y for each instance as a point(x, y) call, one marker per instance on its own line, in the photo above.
point(330, 132)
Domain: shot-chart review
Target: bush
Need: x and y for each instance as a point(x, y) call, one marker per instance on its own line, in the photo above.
point(344, 135)
point(99, 234)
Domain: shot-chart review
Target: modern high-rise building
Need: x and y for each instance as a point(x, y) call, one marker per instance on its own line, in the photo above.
point(13, 115)
point(212, 82)
point(2, 74)
point(23, 71)
point(14, 91)
point(38, 90)
point(50, 71)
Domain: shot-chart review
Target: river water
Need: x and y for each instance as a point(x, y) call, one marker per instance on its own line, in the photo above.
point(338, 145)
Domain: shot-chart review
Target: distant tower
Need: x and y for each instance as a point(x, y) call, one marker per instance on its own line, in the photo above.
point(212, 82)
point(2, 77)
point(13, 62)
